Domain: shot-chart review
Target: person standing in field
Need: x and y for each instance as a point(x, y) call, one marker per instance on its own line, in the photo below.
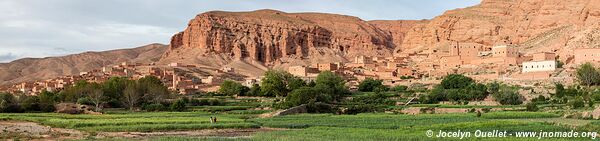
point(211, 120)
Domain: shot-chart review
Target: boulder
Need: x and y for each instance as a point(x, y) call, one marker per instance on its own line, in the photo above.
point(596, 113)
point(73, 108)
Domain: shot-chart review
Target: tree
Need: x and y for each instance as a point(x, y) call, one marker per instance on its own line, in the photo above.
point(369, 84)
point(508, 97)
point(493, 87)
point(8, 103)
point(254, 91)
point(47, 101)
point(304, 95)
point(576, 103)
point(179, 105)
point(456, 81)
point(30, 103)
point(98, 98)
point(131, 97)
point(275, 83)
point(113, 90)
point(434, 96)
point(587, 74)
point(560, 90)
point(477, 91)
point(74, 92)
point(295, 83)
point(231, 88)
point(331, 84)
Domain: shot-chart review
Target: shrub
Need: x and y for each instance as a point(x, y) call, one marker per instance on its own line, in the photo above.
point(215, 102)
point(8, 104)
point(31, 103)
point(508, 97)
point(532, 107)
point(304, 95)
point(362, 108)
point(381, 89)
point(369, 84)
point(540, 100)
point(576, 103)
point(400, 88)
point(230, 88)
point(456, 81)
point(179, 105)
point(154, 107)
point(195, 102)
point(587, 74)
point(85, 101)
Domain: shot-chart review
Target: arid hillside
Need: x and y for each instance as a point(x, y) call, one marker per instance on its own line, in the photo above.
point(257, 40)
point(29, 69)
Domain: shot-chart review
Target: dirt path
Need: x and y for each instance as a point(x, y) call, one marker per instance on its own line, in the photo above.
point(19, 130)
point(237, 133)
point(10, 130)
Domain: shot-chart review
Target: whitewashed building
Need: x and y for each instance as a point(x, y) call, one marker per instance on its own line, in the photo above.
point(539, 66)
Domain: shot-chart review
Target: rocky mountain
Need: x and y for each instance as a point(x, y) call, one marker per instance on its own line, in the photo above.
point(533, 25)
point(254, 41)
point(29, 69)
point(269, 36)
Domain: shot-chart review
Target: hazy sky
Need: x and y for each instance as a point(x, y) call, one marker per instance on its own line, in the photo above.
point(41, 28)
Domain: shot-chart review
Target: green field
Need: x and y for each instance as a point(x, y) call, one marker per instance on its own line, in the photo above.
point(143, 121)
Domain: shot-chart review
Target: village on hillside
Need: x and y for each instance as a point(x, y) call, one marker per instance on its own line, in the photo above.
point(483, 63)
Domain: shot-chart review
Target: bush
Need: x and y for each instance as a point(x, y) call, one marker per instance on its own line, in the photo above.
point(456, 81)
point(540, 100)
point(369, 84)
point(195, 102)
point(230, 88)
point(215, 102)
point(400, 88)
point(85, 101)
point(8, 104)
point(381, 89)
point(363, 108)
point(532, 107)
point(31, 103)
point(587, 74)
point(576, 103)
point(508, 97)
point(179, 105)
point(304, 95)
point(154, 107)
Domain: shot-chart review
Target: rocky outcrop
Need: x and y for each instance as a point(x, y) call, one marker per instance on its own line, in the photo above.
point(534, 25)
point(397, 29)
point(269, 35)
point(72, 108)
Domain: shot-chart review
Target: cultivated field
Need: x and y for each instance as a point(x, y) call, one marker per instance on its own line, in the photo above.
point(243, 125)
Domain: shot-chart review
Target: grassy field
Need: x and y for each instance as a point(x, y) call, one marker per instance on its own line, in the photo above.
point(402, 127)
point(143, 122)
point(371, 126)
point(242, 114)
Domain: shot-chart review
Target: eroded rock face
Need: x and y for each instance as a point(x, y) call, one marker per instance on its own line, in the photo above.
point(268, 35)
point(528, 23)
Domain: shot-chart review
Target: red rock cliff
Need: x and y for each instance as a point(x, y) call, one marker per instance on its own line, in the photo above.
point(268, 35)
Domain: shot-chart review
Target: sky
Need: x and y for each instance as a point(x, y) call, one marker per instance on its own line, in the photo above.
point(42, 28)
